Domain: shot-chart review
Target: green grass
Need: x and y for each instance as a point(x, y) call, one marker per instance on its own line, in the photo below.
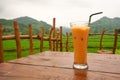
point(118, 51)
point(92, 41)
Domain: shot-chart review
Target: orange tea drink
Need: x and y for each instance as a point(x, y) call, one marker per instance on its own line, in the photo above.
point(80, 39)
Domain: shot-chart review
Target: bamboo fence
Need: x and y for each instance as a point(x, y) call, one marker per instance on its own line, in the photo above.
point(55, 39)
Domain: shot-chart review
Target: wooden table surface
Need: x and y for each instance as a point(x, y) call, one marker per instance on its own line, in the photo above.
point(59, 66)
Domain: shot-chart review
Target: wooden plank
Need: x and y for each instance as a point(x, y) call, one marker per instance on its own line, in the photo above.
point(115, 40)
point(107, 63)
point(54, 32)
point(17, 36)
point(31, 39)
point(57, 36)
point(41, 38)
point(103, 31)
point(50, 41)
point(100, 34)
point(1, 44)
point(61, 39)
point(31, 72)
point(66, 41)
point(11, 37)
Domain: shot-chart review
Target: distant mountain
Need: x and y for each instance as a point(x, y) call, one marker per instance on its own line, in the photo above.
point(23, 24)
point(109, 24)
point(26, 20)
point(66, 29)
point(35, 23)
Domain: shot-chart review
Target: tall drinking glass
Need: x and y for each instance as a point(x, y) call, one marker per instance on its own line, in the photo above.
point(80, 32)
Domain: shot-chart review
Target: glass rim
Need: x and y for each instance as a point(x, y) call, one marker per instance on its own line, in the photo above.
point(79, 23)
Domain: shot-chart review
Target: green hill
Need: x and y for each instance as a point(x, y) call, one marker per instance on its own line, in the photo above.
point(23, 24)
point(35, 23)
point(109, 24)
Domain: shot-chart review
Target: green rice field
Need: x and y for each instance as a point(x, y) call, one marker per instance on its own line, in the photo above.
point(93, 46)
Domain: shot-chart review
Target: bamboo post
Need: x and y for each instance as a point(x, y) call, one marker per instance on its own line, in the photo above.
point(41, 38)
point(57, 36)
point(17, 36)
point(66, 41)
point(61, 38)
point(54, 21)
point(50, 33)
point(1, 45)
point(103, 31)
point(31, 40)
point(115, 40)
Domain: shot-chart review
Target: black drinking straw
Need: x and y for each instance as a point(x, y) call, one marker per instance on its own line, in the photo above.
point(93, 15)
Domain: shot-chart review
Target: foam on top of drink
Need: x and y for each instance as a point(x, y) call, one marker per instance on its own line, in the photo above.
point(81, 27)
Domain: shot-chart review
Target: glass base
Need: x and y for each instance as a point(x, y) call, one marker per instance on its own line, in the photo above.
point(80, 66)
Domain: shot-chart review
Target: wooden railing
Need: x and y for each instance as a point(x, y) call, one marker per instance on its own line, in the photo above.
point(54, 39)
point(100, 46)
point(1, 45)
point(115, 34)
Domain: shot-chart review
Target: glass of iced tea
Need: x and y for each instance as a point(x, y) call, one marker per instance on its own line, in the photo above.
point(80, 31)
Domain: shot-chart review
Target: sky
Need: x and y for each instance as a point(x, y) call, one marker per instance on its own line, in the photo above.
point(65, 11)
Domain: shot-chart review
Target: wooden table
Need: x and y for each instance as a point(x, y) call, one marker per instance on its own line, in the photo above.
point(58, 66)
